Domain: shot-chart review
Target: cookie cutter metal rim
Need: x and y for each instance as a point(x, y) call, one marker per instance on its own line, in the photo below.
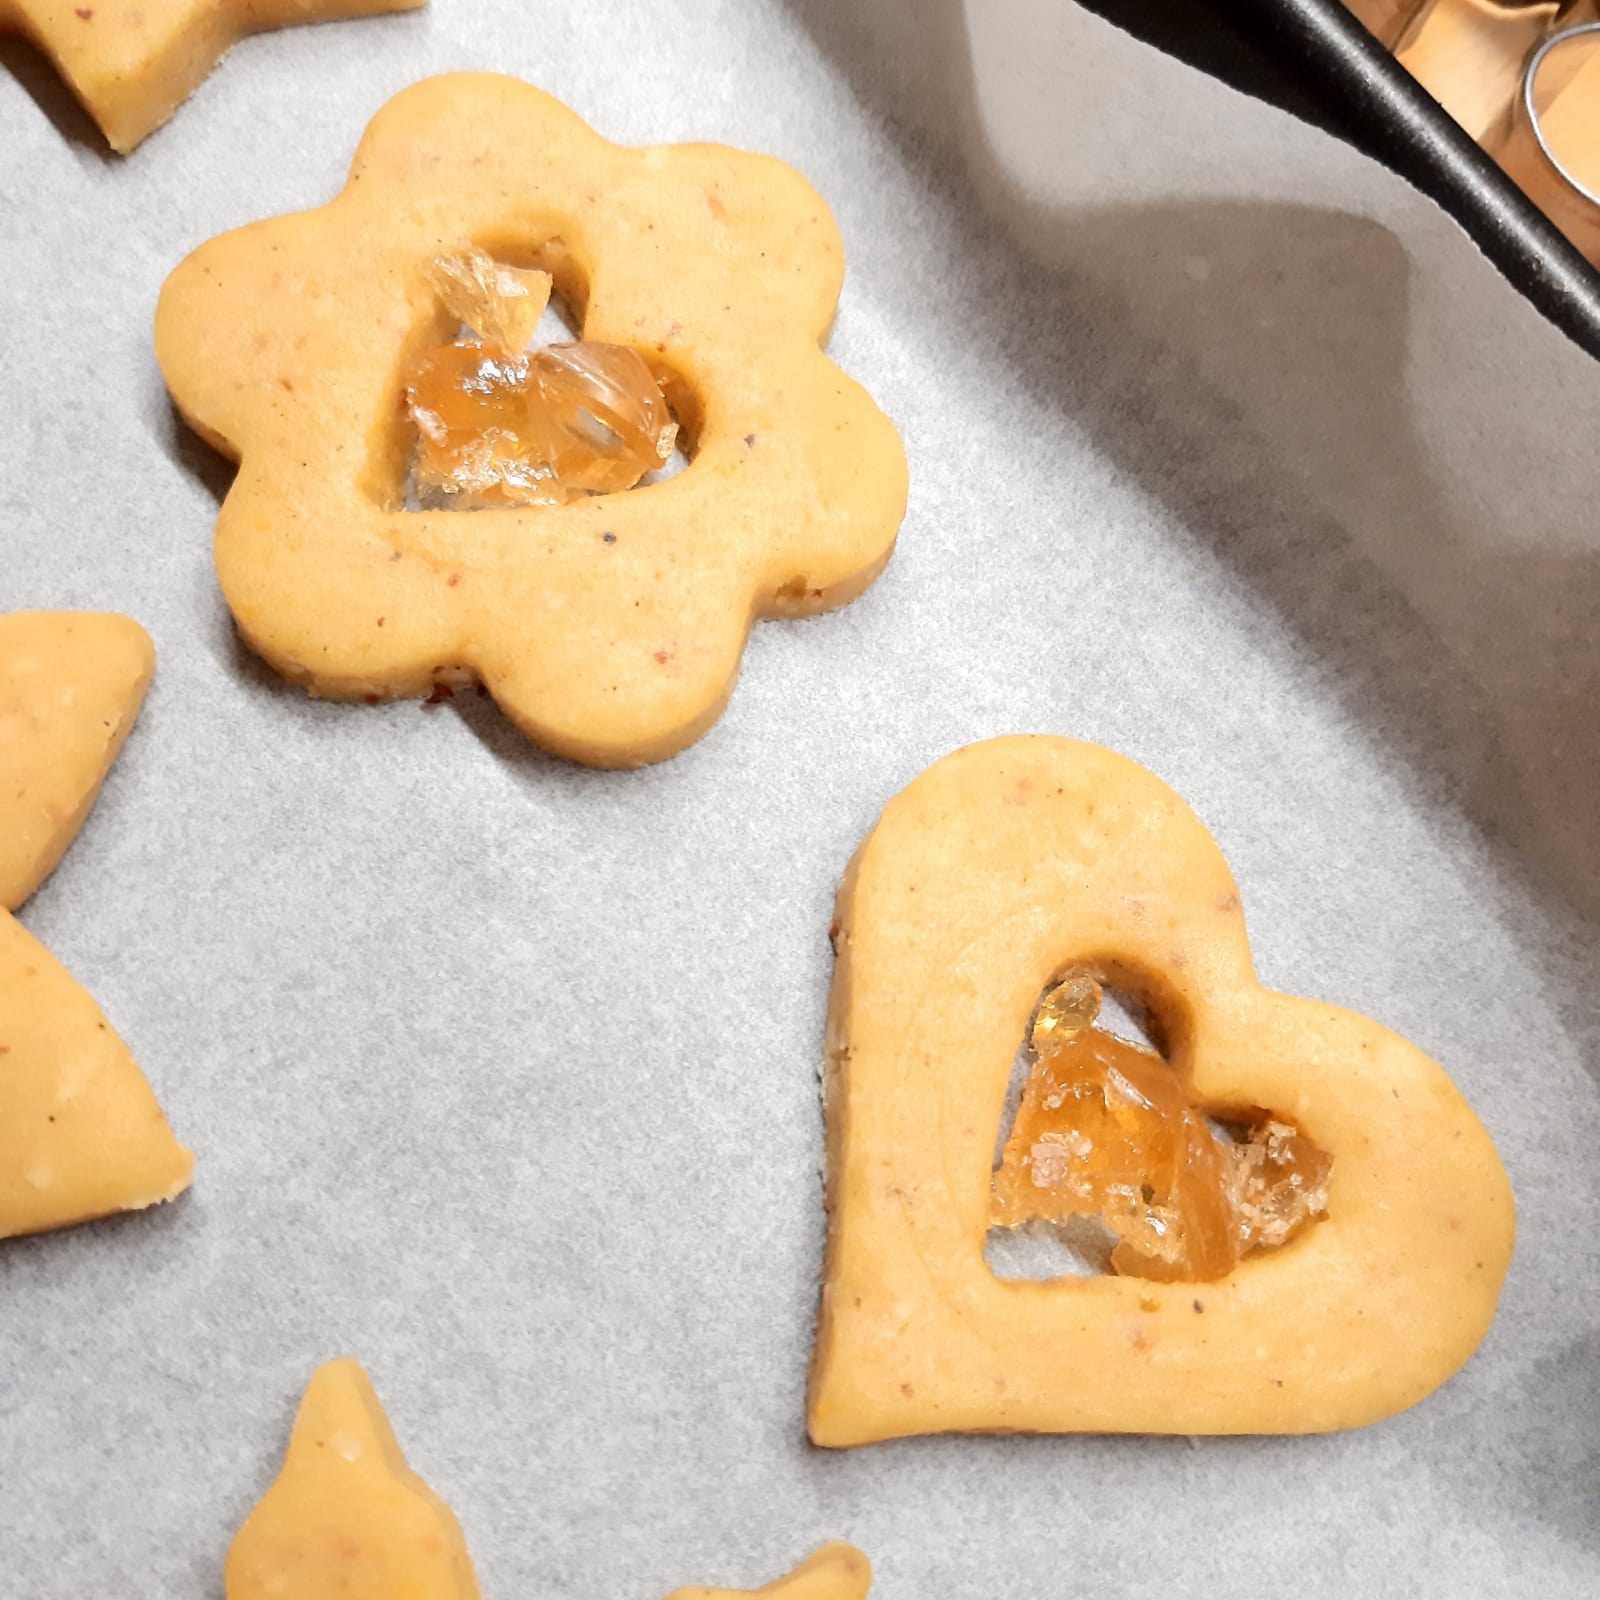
point(1530, 74)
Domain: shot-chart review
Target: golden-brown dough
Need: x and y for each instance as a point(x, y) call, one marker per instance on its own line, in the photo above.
point(609, 629)
point(347, 1519)
point(71, 684)
point(997, 869)
point(81, 1135)
point(132, 63)
point(835, 1572)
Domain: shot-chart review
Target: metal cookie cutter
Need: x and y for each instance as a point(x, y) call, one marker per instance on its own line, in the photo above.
point(1549, 141)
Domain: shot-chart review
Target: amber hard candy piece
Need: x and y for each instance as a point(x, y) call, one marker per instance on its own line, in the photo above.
point(1283, 1184)
point(1106, 1130)
point(498, 425)
point(499, 303)
point(1070, 1007)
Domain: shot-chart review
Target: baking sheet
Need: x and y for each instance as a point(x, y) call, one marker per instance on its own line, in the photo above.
point(1227, 451)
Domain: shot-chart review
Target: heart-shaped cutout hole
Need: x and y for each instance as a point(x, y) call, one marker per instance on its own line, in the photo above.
point(1106, 1133)
point(503, 402)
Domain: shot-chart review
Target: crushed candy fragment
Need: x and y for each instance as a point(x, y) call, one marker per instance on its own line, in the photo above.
point(500, 304)
point(1070, 1006)
point(1283, 1182)
point(1105, 1130)
point(500, 426)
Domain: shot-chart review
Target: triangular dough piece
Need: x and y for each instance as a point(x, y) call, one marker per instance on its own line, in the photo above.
point(835, 1572)
point(996, 870)
point(132, 65)
point(81, 1134)
point(71, 684)
point(347, 1519)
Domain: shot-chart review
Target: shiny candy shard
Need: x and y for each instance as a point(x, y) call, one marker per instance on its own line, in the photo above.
point(498, 426)
point(1105, 1129)
point(500, 304)
point(604, 398)
point(1069, 1007)
point(1283, 1182)
point(483, 438)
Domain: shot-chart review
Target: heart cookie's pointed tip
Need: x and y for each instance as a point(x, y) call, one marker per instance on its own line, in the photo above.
point(347, 1519)
point(1000, 868)
point(71, 684)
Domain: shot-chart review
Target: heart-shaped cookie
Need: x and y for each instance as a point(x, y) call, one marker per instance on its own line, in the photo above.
point(999, 868)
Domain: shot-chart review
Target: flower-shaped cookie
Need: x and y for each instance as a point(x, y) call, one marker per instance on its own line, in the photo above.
point(996, 870)
point(609, 629)
point(134, 62)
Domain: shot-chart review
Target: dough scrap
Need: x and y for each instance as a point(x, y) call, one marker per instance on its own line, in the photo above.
point(835, 1572)
point(71, 684)
point(132, 65)
point(81, 1134)
point(347, 1519)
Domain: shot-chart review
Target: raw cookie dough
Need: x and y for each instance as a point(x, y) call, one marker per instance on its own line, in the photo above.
point(81, 1135)
point(996, 870)
point(347, 1519)
point(835, 1572)
point(609, 629)
point(134, 62)
point(71, 684)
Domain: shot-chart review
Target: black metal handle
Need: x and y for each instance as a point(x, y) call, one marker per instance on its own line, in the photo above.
point(1315, 60)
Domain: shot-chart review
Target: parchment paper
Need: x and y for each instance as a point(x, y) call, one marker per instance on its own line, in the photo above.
point(1227, 451)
